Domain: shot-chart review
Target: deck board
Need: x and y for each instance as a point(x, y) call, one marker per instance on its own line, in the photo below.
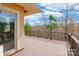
point(37, 47)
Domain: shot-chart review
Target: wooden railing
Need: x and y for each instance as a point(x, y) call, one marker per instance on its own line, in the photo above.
point(45, 34)
point(74, 44)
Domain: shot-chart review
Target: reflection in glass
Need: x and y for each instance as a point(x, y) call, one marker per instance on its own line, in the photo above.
point(7, 30)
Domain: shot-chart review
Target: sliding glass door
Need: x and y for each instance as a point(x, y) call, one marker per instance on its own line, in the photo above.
point(7, 30)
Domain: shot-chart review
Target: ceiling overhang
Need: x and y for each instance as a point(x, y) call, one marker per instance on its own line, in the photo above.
point(29, 8)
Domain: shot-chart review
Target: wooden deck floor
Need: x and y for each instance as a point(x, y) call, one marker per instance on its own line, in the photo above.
point(42, 47)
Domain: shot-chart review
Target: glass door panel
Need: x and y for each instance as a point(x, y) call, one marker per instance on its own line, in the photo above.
point(7, 28)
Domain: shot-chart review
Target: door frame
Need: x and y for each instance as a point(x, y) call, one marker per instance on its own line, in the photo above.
point(17, 29)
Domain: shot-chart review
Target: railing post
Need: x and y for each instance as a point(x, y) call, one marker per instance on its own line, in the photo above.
point(38, 33)
point(50, 35)
point(70, 41)
point(30, 32)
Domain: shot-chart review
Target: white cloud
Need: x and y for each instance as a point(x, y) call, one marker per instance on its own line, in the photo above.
point(34, 16)
point(56, 14)
point(76, 7)
point(54, 6)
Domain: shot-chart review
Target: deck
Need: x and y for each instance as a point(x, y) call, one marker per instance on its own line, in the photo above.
point(34, 46)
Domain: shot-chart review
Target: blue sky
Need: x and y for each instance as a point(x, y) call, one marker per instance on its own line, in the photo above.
point(56, 9)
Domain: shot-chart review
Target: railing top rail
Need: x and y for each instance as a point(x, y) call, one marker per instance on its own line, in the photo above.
point(74, 38)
